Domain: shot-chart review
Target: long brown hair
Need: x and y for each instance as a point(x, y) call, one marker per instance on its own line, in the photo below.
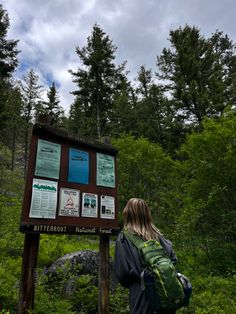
point(138, 220)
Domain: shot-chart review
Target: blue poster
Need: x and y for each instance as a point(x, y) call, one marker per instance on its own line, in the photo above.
point(78, 166)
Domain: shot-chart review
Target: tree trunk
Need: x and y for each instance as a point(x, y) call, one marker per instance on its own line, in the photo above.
point(26, 148)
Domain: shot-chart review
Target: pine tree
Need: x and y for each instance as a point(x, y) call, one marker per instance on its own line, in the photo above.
point(52, 107)
point(97, 84)
point(122, 117)
point(13, 129)
point(155, 116)
point(32, 105)
point(145, 81)
point(197, 73)
point(8, 62)
point(8, 51)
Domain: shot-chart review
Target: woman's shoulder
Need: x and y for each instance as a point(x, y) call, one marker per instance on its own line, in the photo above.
point(166, 243)
point(163, 239)
point(121, 237)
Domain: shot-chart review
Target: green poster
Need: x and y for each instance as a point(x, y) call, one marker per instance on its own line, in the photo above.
point(105, 170)
point(48, 159)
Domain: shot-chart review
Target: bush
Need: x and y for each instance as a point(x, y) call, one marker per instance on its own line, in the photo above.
point(119, 301)
point(9, 283)
point(212, 295)
point(50, 303)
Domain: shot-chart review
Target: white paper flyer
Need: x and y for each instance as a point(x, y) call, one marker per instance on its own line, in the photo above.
point(107, 207)
point(89, 205)
point(44, 199)
point(69, 202)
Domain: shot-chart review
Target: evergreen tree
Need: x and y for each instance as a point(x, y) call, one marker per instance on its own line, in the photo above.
point(155, 115)
point(8, 51)
point(32, 105)
point(8, 62)
point(198, 72)
point(52, 108)
point(145, 81)
point(13, 130)
point(32, 100)
point(98, 82)
point(122, 117)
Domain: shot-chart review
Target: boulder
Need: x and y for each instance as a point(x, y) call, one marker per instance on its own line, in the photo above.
point(81, 262)
point(62, 274)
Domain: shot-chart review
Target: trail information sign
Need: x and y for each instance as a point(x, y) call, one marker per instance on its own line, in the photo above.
point(71, 185)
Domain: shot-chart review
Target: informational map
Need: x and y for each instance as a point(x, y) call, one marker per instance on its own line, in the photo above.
point(44, 199)
point(48, 159)
point(89, 205)
point(107, 207)
point(105, 170)
point(78, 166)
point(69, 202)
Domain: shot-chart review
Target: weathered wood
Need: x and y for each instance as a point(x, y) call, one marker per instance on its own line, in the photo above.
point(27, 283)
point(103, 301)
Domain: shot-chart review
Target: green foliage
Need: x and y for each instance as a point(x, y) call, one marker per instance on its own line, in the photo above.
point(199, 72)
point(53, 247)
point(78, 292)
point(8, 60)
point(8, 63)
point(212, 295)
point(192, 198)
point(11, 240)
point(208, 193)
point(97, 85)
point(145, 171)
point(153, 115)
point(10, 220)
point(52, 108)
point(119, 303)
point(189, 198)
point(32, 93)
point(121, 112)
point(11, 133)
point(50, 303)
point(85, 296)
point(10, 268)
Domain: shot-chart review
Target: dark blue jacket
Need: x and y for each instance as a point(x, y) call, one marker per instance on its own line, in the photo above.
point(128, 268)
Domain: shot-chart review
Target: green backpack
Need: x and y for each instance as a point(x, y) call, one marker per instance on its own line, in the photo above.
point(168, 292)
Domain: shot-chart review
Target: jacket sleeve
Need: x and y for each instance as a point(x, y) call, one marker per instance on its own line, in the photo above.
point(127, 266)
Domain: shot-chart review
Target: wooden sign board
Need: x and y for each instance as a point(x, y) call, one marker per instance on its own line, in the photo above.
point(71, 185)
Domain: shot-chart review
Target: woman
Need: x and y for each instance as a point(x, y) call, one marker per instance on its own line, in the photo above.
point(127, 265)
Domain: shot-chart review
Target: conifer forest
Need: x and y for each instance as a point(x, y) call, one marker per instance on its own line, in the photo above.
point(175, 130)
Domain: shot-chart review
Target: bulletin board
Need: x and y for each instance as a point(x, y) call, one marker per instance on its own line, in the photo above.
point(71, 185)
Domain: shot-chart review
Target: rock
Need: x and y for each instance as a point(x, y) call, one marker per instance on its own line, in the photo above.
point(81, 262)
point(62, 274)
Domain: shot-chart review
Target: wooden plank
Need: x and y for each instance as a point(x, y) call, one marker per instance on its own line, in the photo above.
point(103, 300)
point(29, 264)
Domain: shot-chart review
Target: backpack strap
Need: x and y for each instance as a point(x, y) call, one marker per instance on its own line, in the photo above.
point(135, 239)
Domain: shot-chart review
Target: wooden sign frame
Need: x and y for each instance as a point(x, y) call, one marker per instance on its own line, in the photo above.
point(98, 222)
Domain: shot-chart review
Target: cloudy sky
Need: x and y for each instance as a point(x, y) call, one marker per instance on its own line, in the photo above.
point(49, 31)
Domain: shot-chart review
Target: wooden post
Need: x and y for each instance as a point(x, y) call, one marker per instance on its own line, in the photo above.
point(103, 300)
point(27, 283)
